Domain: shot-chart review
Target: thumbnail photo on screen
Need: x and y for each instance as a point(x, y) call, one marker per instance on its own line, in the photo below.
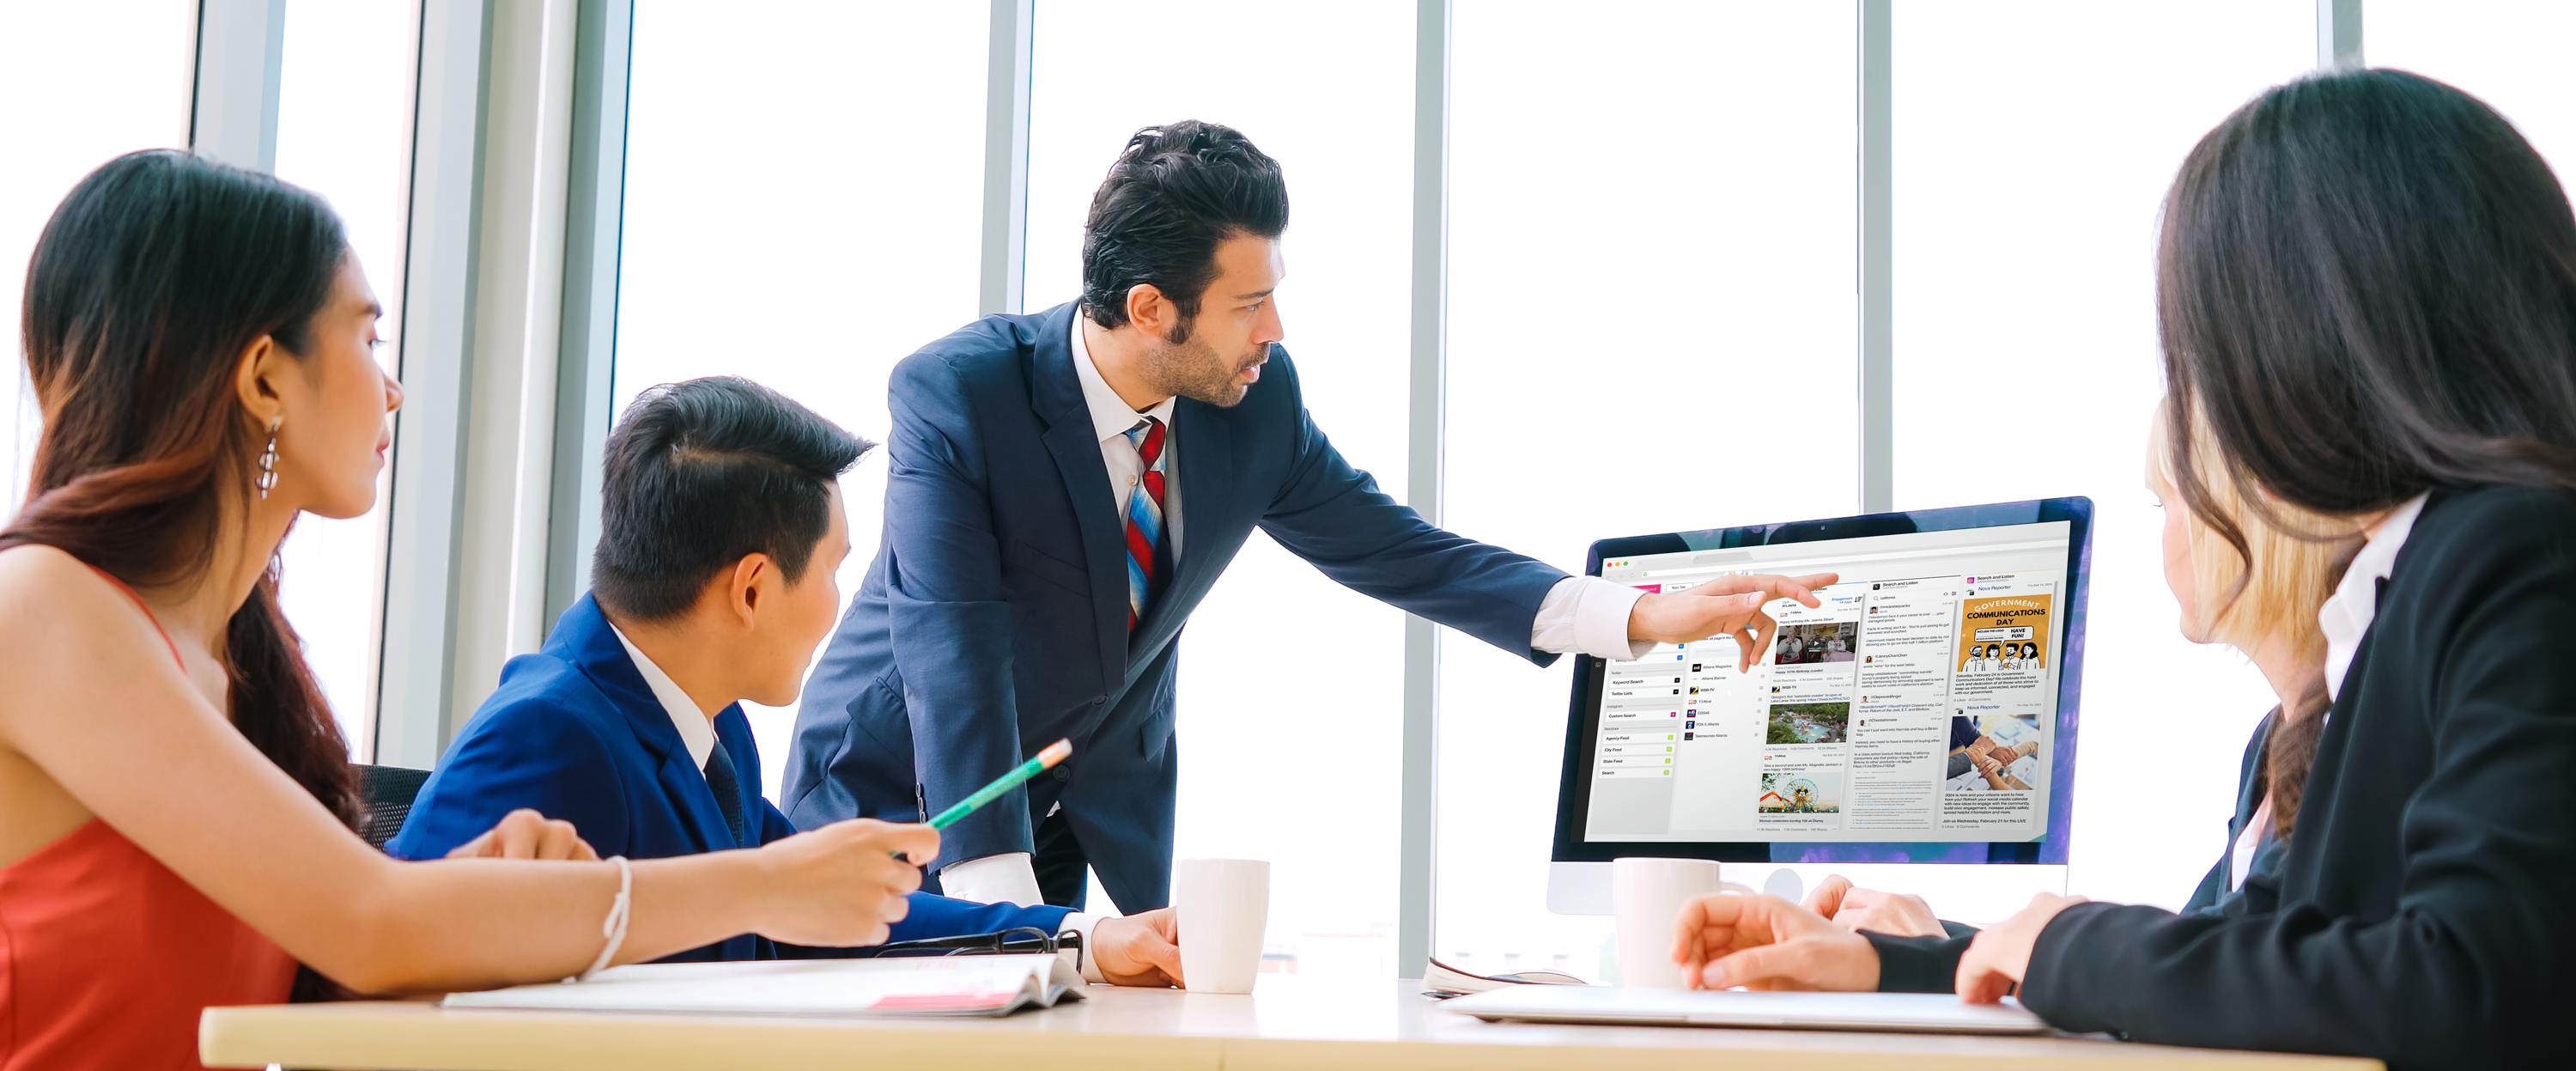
point(1993, 752)
point(1809, 723)
point(1822, 641)
point(1801, 790)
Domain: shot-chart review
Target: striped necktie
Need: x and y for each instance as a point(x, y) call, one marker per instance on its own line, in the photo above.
point(1147, 559)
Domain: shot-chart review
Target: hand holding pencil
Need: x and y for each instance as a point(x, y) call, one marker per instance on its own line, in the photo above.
point(838, 885)
point(845, 884)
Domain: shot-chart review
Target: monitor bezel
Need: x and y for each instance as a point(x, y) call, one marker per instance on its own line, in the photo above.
point(1574, 787)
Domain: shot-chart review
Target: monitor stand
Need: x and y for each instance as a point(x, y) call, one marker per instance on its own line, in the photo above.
point(1978, 894)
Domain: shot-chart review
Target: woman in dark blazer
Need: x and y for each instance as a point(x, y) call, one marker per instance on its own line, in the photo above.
point(2367, 296)
point(2265, 600)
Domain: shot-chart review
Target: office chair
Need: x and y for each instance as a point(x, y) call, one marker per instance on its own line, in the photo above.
point(384, 799)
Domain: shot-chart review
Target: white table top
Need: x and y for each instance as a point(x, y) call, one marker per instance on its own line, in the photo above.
point(1288, 1022)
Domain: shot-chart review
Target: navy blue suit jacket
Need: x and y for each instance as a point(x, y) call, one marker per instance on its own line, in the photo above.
point(576, 734)
point(994, 618)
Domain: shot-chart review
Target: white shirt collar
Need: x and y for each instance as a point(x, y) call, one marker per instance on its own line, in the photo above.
point(2347, 614)
point(1111, 416)
point(697, 731)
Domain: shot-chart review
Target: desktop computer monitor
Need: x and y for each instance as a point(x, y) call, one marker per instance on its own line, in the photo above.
point(1914, 732)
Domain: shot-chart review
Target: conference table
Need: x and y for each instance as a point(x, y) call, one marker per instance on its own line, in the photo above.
point(1288, 1021)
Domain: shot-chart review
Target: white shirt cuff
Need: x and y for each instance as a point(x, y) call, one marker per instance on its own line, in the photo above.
point(1082, 922)
point(1589, 615)
point(1007, 878)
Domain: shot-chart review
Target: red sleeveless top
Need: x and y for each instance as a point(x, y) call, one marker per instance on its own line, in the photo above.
point(107, 957)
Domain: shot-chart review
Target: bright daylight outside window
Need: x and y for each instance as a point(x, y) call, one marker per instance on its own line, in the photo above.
point(344, 131)
point(2033, 145)
point(1290, 699)
point(1643, 242)
point(2508, 53)
point(93, 81)
point(845, 144)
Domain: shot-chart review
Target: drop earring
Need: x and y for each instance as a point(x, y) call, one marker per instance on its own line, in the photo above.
point(268, 460)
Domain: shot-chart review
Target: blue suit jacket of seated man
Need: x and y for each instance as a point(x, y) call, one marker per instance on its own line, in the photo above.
point(575, 733)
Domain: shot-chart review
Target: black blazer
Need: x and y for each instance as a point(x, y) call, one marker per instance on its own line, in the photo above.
point(2424, 897)
point(1931, 964)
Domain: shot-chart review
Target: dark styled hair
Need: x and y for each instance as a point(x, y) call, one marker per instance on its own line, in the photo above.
point(701, 474)
point(2366, 287)
point(149, 282)
point(1176, 192)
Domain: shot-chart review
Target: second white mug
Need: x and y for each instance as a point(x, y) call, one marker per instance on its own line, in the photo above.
point(1646, 896)
point(1222, 909)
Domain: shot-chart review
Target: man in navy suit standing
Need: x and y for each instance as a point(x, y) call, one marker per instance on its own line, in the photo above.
point(1063, 489)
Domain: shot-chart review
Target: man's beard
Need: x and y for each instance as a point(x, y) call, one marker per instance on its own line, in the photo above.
point(1187, 366)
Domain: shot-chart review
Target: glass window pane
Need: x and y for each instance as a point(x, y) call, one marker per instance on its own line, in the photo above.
point(344, 131)
point(804, 197)
point(1326, 88)
point(2510, 53)
point(1651, 328)
point(2033, 145)
point(86, 82)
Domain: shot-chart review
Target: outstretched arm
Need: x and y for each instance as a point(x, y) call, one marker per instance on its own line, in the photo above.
point(149, 755)
point(1335, 517)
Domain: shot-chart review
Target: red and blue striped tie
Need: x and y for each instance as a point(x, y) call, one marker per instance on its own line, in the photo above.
point(1145, 558)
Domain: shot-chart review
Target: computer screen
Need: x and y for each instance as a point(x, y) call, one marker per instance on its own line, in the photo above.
point(1922, 712)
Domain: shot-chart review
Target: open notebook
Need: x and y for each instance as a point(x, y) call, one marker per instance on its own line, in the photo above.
point(939, 985)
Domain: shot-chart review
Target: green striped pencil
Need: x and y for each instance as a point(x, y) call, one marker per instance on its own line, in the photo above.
point(1054, 753)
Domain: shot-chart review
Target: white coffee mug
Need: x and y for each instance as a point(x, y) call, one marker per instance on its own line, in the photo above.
point(1222, 909)
point(1646, 896)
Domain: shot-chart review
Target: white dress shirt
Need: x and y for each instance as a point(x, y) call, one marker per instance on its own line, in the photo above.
point(697, 728)
point(1580, 613)
point(2347, 614)
point(2240, 859)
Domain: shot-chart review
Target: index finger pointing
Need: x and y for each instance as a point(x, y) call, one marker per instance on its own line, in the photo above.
point(1803, 588)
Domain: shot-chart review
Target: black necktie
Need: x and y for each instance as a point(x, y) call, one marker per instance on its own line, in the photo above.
point(728, 791)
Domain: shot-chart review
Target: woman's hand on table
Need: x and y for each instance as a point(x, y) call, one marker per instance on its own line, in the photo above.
point(1142, 950)
point(1996, 961)
point(1854, 908)
point(1764, 942)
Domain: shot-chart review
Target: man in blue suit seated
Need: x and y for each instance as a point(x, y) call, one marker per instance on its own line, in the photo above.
point(1064, 488)
point(712, 584)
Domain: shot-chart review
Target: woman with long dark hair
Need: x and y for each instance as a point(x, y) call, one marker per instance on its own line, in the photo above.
point(2367, 294)
point(173, 792)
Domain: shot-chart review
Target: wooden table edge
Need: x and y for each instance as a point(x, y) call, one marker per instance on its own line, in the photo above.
point(358, 1034)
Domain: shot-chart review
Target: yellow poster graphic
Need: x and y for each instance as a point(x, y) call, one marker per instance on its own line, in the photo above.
point(2004, 634)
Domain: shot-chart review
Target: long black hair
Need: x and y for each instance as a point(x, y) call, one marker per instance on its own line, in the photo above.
point(2366, 287)
point(151, 279)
